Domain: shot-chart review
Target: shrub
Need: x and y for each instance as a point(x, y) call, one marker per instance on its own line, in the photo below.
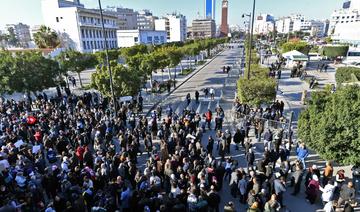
point(344, 74)
point(256, 91)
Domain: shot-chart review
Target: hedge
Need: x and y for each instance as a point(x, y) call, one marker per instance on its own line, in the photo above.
point(344, 74)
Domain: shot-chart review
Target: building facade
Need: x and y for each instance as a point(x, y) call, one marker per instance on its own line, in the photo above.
point(126, 18)
point(224, 27)
point(284, 25)
point(209, 9)
point(128, 38)
point(345, 23)
point(264, 24)
point(174, 25)
point(146, 20)
point(22, 33)
point(79, 26)
point(203, 28)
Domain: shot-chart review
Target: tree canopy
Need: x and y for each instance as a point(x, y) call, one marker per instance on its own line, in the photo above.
point(334, 51)
point(27, 72)
point(330, 125)
point(127, 82)
point(296, 44)
point(46, 38)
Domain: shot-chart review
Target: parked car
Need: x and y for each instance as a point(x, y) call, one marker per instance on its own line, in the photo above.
point(315, 56)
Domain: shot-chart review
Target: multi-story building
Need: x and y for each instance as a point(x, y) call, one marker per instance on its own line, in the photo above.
point(127, 18)
point(203, 28)
point(146, 20)
point(349, 13)
point(22, 33)
point(284, 25)
point(345, 22)
point(264, 24)
point(128, 38)
point(81, 26)
point(209, 9)
point(174, 25)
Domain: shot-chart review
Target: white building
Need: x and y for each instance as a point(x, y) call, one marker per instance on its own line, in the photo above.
point(128, 38)
point(284, 25)
point(345, 22)
point(80, 27)
point(174, 25)
point(146, 20)
point(264, 24)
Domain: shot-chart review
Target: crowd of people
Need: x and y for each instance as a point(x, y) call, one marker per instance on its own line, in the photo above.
point(72, 153)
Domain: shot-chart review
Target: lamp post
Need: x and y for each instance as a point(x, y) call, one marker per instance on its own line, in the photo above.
point(252, 15)
point(107, 60)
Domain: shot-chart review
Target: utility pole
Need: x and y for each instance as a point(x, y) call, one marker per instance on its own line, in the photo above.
point(107, 60)
point(251, 39)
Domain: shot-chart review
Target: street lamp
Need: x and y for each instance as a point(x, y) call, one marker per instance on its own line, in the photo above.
point(252, 15)
point(107, 60)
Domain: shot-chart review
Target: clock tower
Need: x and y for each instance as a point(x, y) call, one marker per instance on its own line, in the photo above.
point(224, 27)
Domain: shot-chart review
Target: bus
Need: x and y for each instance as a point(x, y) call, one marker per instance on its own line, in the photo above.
point(353, 57)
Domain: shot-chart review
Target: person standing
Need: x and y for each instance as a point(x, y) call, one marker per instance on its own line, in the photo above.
point(347, 193)
point(328, 173)
point(327, 192)
point(197, 96)
point(214, 200)
point(298, 174)
point(250, 158)
point(302, 153)
point(279, 187)
point(212, 93)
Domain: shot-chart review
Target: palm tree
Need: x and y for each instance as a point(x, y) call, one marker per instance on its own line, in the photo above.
point(46, 38)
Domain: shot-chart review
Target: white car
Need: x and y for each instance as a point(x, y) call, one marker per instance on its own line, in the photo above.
point(315, 57)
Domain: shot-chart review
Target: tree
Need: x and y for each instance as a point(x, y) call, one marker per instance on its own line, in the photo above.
point(112, 53)
point(77, 62)
point(330, 125)
point(125, 80)
point(175, 55)
point(191, 50)
point(27, 72)
point(300, 46)
point(256, 91)
point(334, 51)
point(46, 38)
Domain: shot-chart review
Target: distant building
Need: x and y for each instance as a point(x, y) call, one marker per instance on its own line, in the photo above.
point(264, 24)
point(146, 20)
point(174, 25)
point(203, 28)
point(128, 38)
point(127, 18)
point(22, 33)
point(224, 27)
point(345, 22)
point(209, 9)
point(284, 25)
point(80, 27)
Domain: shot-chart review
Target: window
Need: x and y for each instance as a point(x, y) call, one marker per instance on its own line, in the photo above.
point(97, 33)
point(136, 39)
point(88, 44)
point(91, 44)
point(90, 32)
point(102, 44)
point(149, 39)
point(82, 33)
point(95, 45)
point(156, 39)
point(162, 40)
point(98, 43)
point(84, 44)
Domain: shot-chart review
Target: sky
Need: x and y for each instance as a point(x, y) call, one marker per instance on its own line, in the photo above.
point(29, 11)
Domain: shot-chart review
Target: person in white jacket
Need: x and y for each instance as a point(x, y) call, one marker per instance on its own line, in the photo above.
point(327, 192)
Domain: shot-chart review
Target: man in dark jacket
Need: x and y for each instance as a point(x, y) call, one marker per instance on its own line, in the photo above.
point(250, 158)
point(297, 177)
point(213, 200)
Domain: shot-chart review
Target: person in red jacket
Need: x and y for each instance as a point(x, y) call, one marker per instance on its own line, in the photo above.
point(208, 117)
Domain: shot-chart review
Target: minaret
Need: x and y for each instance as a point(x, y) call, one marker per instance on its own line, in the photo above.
point(224, 27)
